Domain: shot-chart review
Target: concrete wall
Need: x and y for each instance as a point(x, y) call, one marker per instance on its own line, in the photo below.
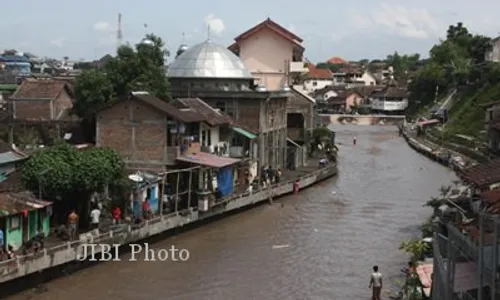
point(67, 252)
point(362, 119)
point(266, 55)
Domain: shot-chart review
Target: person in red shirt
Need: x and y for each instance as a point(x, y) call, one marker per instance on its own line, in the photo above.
point(146, 208)
point(117, 215)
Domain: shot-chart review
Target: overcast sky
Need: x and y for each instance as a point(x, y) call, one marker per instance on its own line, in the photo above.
point(349, 29)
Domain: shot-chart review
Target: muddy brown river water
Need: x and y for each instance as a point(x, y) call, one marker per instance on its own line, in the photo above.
point(330, 236)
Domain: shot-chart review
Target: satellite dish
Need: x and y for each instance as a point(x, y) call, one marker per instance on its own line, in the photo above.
point(135, 178)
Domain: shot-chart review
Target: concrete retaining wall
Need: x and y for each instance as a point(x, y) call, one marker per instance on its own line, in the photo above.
point(362, 119)
point(67, 252)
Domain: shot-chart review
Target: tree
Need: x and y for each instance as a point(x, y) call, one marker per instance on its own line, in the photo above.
point(140, 68)
point(93, 91)
point(62, 173)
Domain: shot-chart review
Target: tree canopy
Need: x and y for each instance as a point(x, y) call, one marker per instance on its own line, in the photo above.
point(456, 62)
point(133, 68)
point(64, 173)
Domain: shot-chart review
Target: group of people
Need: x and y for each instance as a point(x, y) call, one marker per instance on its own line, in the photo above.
point(270, 175)
point(71, 232)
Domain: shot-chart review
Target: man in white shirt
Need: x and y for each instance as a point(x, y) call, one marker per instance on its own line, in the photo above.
point(376, 283)
point(95, 214)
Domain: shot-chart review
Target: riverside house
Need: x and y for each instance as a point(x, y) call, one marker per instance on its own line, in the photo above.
point(21, 216)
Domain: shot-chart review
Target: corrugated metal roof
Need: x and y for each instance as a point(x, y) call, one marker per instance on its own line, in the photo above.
point(15, 203)
point(209, 160)
point(10, 157)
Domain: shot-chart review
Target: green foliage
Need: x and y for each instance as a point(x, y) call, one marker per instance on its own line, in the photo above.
point(427, 229)
point(403, 64)
point(132, 69)
point(62, 172)
point(322, 133)
point(416, 249)
point(454, 62)
point(332, 67)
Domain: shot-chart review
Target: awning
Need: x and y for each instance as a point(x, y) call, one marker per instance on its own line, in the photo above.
point(244, 132)
point(207, 159)
point(293, 143)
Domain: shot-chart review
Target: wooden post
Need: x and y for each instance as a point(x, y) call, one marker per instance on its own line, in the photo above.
point(162, 200)
point(189, 189)
point(177, 191)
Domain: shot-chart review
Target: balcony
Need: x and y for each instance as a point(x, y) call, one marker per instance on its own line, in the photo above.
point(298, 67)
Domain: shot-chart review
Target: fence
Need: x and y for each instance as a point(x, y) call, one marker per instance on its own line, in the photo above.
point(121, 232)
point(463, 263)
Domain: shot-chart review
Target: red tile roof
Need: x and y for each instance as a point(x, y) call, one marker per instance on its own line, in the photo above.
point(484, 174)
point(337, 61)
point(270, 24)
point(41, 89)
point(316, 73)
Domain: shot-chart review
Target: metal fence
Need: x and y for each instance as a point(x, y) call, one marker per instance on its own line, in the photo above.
point(463, 263)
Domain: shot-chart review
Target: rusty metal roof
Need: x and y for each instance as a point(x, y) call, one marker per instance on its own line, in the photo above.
point(41, 90)
point(214, 117)
point(484, 174)
point(186, 116)
point(15, 203)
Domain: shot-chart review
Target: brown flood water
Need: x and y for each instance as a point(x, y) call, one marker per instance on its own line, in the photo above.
point(335, 232)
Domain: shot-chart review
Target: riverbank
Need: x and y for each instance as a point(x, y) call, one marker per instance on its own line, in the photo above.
point(446, 157)
point(67, 252)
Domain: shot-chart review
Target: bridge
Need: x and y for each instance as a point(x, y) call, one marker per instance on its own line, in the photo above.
point(327, 119)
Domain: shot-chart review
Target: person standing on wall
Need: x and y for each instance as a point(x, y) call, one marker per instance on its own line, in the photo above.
point(376, 283)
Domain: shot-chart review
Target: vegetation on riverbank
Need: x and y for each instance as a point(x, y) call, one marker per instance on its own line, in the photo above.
point(458, 62)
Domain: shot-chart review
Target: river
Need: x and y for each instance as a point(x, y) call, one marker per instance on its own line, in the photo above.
point(331, 236)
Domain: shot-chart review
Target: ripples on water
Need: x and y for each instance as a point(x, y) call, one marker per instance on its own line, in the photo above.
point(335, 232)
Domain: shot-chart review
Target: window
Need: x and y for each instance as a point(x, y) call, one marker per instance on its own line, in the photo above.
point(15, 222)
point(315, 83)
point(229, 107)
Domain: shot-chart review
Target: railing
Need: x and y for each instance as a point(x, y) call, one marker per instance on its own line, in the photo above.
point(11, 265)
point(464, 243)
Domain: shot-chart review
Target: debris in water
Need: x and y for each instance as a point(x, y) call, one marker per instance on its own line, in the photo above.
point(281, 246)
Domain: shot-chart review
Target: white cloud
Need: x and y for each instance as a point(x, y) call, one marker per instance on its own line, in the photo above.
point(102, 26)
point(406, 22)
point(216, 25)
point(59, 42)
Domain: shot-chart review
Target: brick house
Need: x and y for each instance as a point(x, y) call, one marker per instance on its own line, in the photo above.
point(42, 100)
point(142, 128)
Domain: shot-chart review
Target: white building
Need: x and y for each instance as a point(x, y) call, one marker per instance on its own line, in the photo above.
point(390, 100)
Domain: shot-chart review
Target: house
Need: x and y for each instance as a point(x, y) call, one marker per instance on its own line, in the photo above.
point(390, 100)
point(220, 134)
point(343, 102)
point(353, 77)
point(493, 54)
point(273, 54)
point(10, 160)
point(337, 61)
point(148, 132)
point(327, 92)
point(21, 216)
point(42, 100)
point(316, 79)
point(492, 126)
point(226, 84)
point(482, 177)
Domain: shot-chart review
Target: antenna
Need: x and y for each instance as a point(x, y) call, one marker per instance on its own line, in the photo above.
point(119, 35)
point(145, 29)
point(183, 38)
point(208, 32)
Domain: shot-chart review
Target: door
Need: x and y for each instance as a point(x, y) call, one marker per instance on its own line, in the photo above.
point(33, 223)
